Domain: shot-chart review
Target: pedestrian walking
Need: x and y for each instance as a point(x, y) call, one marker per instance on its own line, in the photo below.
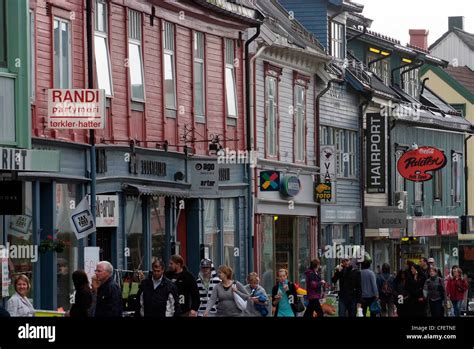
point(257, 303)
point(369, 290)
point(402, 295)
point(186, 284)
point(109, 296)
point(206, 282)
point(314, 289)
point(385, 286)
point(284, 296)
point(350, 292)
point(223, 293)
point(456, 288)
point(434, 292)
point(83, 295)
point(19, 304)
point(157, 295)
point(416, 300)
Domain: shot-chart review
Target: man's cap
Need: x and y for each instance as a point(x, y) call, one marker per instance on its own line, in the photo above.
point(206, 263)
point(431, 260)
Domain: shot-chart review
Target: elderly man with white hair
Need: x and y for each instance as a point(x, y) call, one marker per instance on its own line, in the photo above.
point(109, 296)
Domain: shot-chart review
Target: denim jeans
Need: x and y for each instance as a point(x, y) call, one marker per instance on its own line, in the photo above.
point(347, 308)
point(456, 305)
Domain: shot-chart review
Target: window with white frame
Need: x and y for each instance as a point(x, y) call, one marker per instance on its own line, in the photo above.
point(31, 57)
point(199, 74)
point(300, 125)
point(380, 68)
point(230, 89)
point(135, 63)
point(456, 168)
point(62, 53)
point(169, 68)
point(101, 48)
point(346, 149)
point(338, 37)
point(272, 114)
point(411, 82)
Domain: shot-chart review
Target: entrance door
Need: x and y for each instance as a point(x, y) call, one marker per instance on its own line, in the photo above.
point(285, 244)
point(104, 241)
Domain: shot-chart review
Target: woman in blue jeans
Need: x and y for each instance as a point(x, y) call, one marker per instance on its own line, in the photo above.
point(456, 288)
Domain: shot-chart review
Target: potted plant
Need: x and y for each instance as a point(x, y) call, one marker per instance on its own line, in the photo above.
point(52, 244)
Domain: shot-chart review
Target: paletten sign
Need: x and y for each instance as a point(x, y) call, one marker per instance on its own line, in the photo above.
point(414, 164)
point(76, 109)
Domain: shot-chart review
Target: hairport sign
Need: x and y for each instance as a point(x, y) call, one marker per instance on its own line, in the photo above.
point(375, 146)
point(76, 109)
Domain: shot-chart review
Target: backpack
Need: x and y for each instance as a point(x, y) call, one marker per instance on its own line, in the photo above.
point(386, 290)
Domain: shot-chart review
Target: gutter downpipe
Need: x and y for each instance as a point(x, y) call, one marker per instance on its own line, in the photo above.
point(364, 31)
point(415, 66)
point(248, 121)
point(398, 68)
point(466, 175)
point(318, 146)
point(378, 60)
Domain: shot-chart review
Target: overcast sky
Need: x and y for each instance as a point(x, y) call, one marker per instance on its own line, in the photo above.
point(395, 17)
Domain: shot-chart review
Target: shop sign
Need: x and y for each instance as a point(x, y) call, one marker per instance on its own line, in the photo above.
point(414, 164)
point(5, 277)
point(76, 109)
point(269, 181)
point(448, 226)
point(205, 176)
point(327, 175)
point(323, 191)
point(81, 220)
point(379, 217)
point(107, 212)
point(20, 223)
point(91, 259)
point(11, 197)
point(13, 159)
point(422, 226)
point(375, 147)
point(290, 186)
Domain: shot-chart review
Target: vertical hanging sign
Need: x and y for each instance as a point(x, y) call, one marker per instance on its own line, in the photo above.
point(325, 190)
point(375, 157)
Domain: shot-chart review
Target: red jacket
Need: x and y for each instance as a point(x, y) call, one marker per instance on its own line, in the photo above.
point(456, 289)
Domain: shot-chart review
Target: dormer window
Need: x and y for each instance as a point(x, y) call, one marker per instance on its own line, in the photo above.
point(338, 40)
point(411, 81)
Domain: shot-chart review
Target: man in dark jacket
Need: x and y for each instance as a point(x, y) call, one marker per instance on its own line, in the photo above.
point(158, 296)
point(109, 296)
point(350, 292)
point(186, 283)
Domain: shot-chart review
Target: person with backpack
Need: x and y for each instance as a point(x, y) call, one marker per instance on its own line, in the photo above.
point(386, 289)
point(314, 287)
point(433, 291)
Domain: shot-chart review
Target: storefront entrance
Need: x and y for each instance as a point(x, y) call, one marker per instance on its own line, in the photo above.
point(104, 241)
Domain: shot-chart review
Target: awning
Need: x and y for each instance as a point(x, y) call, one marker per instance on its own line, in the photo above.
point(138, 189)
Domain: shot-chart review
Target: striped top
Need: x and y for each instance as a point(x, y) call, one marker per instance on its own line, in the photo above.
point(205, 292)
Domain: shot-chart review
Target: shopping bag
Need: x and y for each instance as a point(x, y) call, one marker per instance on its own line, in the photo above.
point(240, 302)
point(375, 307)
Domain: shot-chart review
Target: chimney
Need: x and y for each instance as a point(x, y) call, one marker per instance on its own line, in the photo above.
point(456, 22)
point(419, 38)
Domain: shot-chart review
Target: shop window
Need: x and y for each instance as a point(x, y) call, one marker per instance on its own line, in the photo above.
point(62, 53)
point(169, 69)
point(267, 265)
point(134, 232)
point(210, 238)
point(230, 244)
point(158, 227)
point(199, 77)
point(7, 110)
point(304, 249)
point(19, 231)
point(101, 48)
point(230, 88)
point(67, 260)
point(135, 63)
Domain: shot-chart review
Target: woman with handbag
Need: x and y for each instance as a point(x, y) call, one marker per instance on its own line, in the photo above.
point(456, 288)
point(230, 295)
point(284, 297)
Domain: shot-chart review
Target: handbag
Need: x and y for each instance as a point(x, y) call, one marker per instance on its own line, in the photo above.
point(239, 301)
point(375, 307)
point(299, 306)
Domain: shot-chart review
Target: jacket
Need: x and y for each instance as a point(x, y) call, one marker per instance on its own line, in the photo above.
point(82, 303)
point(206, 292)
point(433, 289)
point(456, 288)
point(387, 292)
point(162, 301)
point(109, 300)
point(187, 287)
point(349, 284)
point(313, 284)
point(291, 292)
point(20, 306)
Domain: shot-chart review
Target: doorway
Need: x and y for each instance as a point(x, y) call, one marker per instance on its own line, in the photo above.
point(104, 242)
